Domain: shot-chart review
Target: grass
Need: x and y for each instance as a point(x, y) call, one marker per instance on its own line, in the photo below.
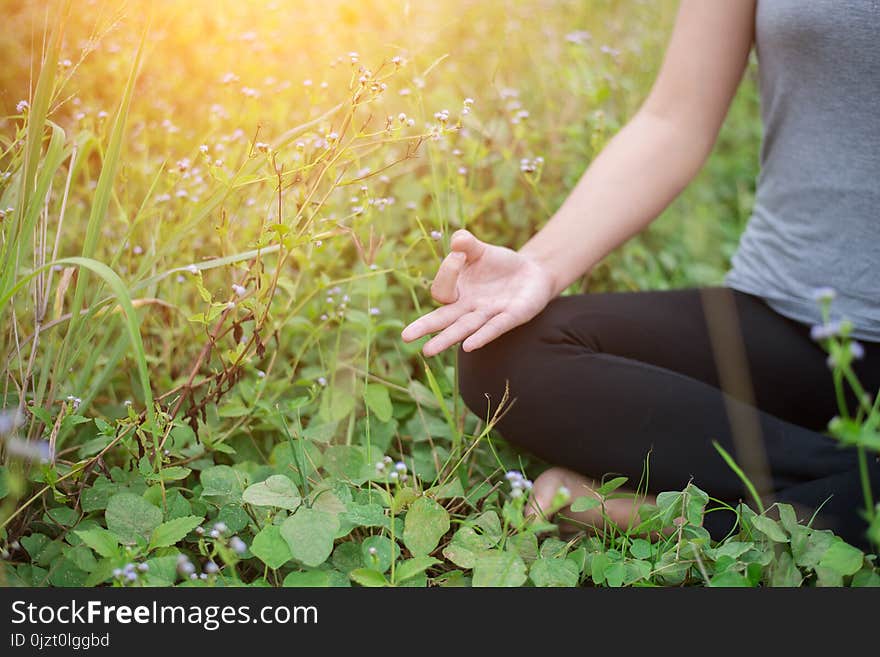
point(217, 218)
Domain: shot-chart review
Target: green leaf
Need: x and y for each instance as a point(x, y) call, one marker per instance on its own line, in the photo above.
point(168, 533)
point(785, 573)
point(367, 577)
point(446, 491)
point(411, 567)
point(729, 579)
point(277, 490)
point(584, 504)
point(222, 484)
point(174, 473)
point(379, 401)
point(640, 548)
point(309, 534)
point(270, 547)
point(770, 528)
point(842, 558)
point(497, 568)
point(425, 524)
point(102, 541)
point(554, 572)
point(615, 574)
point(316, 579)
point(466, 545)
point(130, 517)
point(611, 486)
point(377, 553)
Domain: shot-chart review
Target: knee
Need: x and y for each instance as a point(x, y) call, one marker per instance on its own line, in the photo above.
point(510, 362)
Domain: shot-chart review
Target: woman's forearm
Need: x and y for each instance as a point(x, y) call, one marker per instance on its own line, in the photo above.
point(637, 175)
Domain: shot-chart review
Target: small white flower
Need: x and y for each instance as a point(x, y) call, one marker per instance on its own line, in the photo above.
point(322, 381)
point(192, 269)
point(240, 290)
point(22, 106)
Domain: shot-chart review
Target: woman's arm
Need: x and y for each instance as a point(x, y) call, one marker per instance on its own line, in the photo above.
point(487, 289)
point(652, 159)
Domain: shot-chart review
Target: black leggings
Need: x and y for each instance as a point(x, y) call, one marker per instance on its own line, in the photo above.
point(600, 380)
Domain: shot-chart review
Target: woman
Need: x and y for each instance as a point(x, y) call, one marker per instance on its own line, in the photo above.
point(601, 381)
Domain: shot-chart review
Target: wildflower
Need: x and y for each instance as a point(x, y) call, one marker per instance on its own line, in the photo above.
point(211, 568)
point(563, 491)
point(66, 63)
point(400, 466)
point(307, 83)
point(22, 106)
point(117, 572)
point(856, 350)
point(262, 146)
point(462, 171)
point(322, 381)
point(393, 475)
point(230, 305)
point(374, 311)
point(404, 92)
point(200, 530)
point(318, 243)
point(825, 331)
point(184, 565)
point(10, 421)
point(386, 460)
point(436, 234)
point(824, 295)
point(237, 545)
point(143, 567)
point(204, 149)
point(323, 317)
point(372, 550)
point(126, 403)
point(578, 37)
point(410, 122)
point(380, 466)
point(468, 102)
point(202, 576)
point(518, 483)
point(192, 269)
point(220, 527)
point(397, 60)
point(138, 250)
point(240, 290)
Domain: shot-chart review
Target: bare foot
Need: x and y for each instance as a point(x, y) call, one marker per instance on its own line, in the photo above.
point(555, 489)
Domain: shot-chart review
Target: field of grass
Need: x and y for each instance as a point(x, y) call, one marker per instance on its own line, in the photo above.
point(216, 219)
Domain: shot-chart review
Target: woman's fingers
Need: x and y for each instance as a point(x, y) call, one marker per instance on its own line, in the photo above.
point(434, 321)
point(500, 323)
point(455, 333)
point(443, 289)
point(464, 241)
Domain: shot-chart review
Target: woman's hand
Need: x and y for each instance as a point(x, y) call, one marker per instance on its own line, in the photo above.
point(487, 289)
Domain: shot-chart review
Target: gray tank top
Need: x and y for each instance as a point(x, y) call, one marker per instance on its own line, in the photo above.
point(816, 219)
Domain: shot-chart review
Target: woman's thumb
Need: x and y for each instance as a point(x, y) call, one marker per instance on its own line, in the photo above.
point(463, 240)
